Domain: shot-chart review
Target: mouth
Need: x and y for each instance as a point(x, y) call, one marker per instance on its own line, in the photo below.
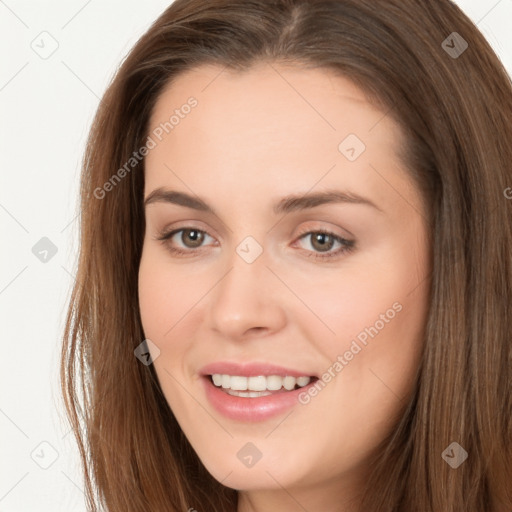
point(260, 393)
point(254, 391)
point(259, 385)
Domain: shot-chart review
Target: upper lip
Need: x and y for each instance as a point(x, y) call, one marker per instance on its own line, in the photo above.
point(251, 369)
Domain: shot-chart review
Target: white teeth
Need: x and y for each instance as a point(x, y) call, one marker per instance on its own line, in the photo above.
point(237, 383)
point(274, 382)
point(226, 381)
point(248, 394)
point(303, 381)
point(260, 383)
point(256, 383)
point(289, 382)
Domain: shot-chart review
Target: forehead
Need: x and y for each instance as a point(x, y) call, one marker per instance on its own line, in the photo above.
point(268, 128)
point(267, 93)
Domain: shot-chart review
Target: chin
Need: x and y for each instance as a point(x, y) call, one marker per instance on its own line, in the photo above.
point(260, 476)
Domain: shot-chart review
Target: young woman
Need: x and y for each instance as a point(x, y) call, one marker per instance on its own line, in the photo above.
point(295, 277)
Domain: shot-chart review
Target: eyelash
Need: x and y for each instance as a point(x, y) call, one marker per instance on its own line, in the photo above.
point(347, 246)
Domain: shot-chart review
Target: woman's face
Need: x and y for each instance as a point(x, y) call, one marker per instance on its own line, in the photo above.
point(300, 250)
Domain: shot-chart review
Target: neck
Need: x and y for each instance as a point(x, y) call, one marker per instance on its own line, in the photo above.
point(328, 497)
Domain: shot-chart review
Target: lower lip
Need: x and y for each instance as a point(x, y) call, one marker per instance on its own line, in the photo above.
point(251, 409)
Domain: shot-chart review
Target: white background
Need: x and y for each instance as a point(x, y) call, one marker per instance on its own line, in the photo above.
point(47, 106)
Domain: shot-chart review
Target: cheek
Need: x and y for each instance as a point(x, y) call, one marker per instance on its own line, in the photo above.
point(165, 294)
point(356, 304)
point(369, 328)
point(155, 300)
point(166, 297)
point(382, 294)
point(371, 360)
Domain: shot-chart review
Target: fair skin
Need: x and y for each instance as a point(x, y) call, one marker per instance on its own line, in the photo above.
point(253, 139)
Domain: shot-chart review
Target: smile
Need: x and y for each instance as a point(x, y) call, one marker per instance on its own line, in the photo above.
point(254, 397)
point(256, 386)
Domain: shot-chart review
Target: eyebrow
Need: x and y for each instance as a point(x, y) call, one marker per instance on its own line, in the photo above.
point(287, 204)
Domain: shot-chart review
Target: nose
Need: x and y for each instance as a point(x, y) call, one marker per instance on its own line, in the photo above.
point(247, 301)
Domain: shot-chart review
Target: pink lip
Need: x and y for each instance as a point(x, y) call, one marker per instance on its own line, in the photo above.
point(251, 409)
point(252, 370)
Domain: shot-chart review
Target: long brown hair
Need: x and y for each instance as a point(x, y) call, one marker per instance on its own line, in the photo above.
point(455, 105)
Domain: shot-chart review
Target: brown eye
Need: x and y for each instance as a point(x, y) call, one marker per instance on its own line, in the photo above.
point(185, 240)
point(322, 241)
point(192, 237)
